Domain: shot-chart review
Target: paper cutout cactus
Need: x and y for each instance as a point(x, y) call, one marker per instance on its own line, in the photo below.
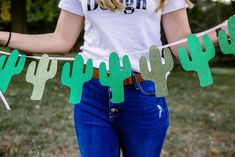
point(39, 76)
point(226, 46)
point(116, 76)
point(9, 68)
point(158, 71)
point(200, 59)
point(76, 78)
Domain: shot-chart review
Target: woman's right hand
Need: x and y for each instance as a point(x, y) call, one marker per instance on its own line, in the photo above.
point(60, 41)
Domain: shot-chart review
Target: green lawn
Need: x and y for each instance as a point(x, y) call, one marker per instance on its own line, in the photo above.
point(201, 119)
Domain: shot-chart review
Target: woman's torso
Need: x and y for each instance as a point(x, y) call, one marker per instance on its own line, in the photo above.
point(128, 32)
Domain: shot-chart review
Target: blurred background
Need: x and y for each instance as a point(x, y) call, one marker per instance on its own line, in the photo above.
point(201, 118)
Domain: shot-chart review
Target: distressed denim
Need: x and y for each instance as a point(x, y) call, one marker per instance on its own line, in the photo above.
point(138, 125)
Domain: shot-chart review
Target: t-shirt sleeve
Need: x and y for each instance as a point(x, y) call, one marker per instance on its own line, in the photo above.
point(173, 5)
point(73, 6)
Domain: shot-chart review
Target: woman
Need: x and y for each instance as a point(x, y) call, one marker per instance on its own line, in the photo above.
point(139, 125)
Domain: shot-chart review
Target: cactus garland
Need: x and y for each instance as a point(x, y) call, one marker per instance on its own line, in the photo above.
point(200, 59)
point(9, 67)
point(226, 46)
point(39, 76)
point(158, 71)
point(116, 76)
point(76, 78)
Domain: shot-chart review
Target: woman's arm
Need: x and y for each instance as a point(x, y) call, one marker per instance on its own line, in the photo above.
point(61, 41)
point(176, 27)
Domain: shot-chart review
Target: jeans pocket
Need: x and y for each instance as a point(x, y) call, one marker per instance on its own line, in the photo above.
point(146, 87)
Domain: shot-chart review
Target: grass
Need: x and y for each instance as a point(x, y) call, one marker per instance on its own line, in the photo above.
point(202, 120)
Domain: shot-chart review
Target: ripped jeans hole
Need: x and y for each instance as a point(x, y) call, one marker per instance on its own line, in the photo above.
point(160, 110)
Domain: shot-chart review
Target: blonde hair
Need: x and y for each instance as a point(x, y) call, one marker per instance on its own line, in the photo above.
point(116, 4)
point(111, 4)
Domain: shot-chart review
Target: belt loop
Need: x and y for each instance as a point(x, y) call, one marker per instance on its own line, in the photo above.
point(135, 82)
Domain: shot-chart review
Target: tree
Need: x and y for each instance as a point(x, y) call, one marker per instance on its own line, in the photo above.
point(233, 3)
point(19, 16)
point(23, 12)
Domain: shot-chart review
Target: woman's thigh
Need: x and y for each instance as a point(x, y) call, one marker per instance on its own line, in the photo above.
point(142, 122)
point(95, 134)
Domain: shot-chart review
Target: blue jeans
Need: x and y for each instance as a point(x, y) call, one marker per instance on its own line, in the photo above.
point(138, 126)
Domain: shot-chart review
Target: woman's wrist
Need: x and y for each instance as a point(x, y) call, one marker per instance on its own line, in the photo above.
point(4, 36)
point(8, 40)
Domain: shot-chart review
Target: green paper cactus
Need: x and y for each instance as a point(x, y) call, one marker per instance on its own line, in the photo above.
point(39, 76)
point(158, 69)
point(199, 59)
point(9, 68)
point(226, 46)
point(76, 78)
point(116, 76)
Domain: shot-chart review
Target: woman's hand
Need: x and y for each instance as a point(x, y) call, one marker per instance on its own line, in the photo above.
point(61, 41)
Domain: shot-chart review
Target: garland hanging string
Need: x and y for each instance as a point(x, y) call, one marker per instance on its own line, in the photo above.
point(4, 100)
point(72, 58)
point(161, 47)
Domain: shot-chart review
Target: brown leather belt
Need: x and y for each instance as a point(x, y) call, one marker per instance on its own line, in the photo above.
point(128, 81)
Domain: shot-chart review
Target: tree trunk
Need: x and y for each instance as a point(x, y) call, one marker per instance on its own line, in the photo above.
point(233, 3)
point(19, 19)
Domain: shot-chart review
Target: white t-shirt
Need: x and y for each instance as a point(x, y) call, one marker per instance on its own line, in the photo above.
point(128, 32)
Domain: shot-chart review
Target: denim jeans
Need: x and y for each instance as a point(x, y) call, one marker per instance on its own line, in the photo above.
point(138, 125)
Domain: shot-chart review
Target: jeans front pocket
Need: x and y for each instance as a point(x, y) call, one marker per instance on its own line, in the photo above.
point(146, 87)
